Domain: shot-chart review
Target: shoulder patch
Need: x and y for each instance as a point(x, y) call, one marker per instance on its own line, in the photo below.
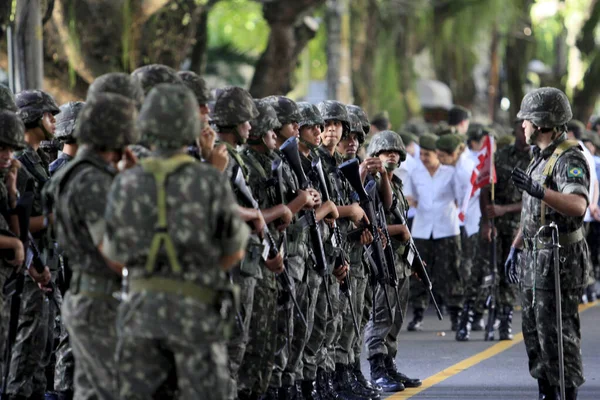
point(574, 172)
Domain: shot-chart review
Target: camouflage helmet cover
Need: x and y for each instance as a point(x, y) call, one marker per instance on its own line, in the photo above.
point(309, 115)
point(197, 85)
point(233, 106)
point(107, 121)
point(546, 107)
point(119, 83)
point(12, 130)
point(7, 99)
point(66, 120)
point(169, 117)
point(33, 104)
point(386, 141)
point(287, 110)
point(356, 127)
point(151, 75)
point(267, 119)
point(332, 110)
point(362, 115)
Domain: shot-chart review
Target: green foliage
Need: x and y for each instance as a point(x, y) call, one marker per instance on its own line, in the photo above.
point(318, 55)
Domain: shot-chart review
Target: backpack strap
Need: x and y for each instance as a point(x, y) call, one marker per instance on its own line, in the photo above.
point(549, 168)
point(160, 170)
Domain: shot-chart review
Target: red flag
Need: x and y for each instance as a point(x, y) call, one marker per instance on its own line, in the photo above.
point(483, 174)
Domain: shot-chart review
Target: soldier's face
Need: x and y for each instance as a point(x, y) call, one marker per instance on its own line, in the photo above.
point(429, 158)
point(312, 134)
point(529, 130)
point(332, 134)
point(290, 130)
point(6, 155)
point(244, 130)
point(270, 140)
point(390, 159)
point(349, 145)
point(49, 123)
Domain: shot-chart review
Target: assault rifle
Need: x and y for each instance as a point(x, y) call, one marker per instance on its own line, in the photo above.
point(338, 243)
point(412, 256)
point(289, 149)
point(272, 250)
point(374, 252)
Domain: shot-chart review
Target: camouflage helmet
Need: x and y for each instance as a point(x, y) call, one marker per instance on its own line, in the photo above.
point(12, 130)
point(119, 83)
point(357, 128)
point(169, 117)
point(7, 99)
point(33, 104)
point(309, 115)
point(151, 75)
point(332, 110)
point(546, 107)
point(287, 110)
point(107, 121)
point(233, 106)
point(197, 85)
point(66, 120)
point(266, 120)
point(386, 141)
point(362, 115)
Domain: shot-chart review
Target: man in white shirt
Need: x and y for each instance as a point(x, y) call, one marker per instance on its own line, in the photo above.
point(433, 191)
point(408, 166)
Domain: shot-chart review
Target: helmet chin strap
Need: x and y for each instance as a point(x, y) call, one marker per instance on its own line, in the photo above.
point(47, 135)
point(307, 143)
point(240, 139)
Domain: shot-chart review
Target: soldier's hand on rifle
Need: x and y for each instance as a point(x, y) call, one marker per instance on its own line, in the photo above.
point(218, 157)
point(404, 233)
point(486, 232)
point(259, 223)
point(511, 272)
point(366, 237)
point(206, 141)
point(19, 254)
point(495, 210)
point(340, 272)
point(316, 197)
point(384, 241)
point(41, 279)
point(527, 184)
point(358, 214)
point(286, 218)
point(275, 264)
point(372, 165)
point(332, 208)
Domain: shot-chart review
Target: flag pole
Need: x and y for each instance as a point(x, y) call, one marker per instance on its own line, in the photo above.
point(491, 300)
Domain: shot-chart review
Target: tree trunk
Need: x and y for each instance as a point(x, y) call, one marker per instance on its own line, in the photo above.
point(584, 100)
point(364, 27)
point(29, 46)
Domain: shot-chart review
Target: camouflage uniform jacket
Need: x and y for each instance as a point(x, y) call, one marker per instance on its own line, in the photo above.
point(79, 191)
point(35, 168)
point(60, 162)
point(570, 175)
point(399, 201)
point(506, 192)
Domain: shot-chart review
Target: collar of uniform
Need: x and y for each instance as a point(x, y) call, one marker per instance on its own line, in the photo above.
point(547, 152)
point(326, 156)
point(87, 153)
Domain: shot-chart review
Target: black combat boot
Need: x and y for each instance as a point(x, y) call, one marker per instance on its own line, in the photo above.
point(325, 386)
point(307, 390)
point(478, 324)
point(463, 333)
point(505, 328)
point(358, 375)
point(417, 322)
point(381, 377)
point(272, 394)
point(570, 393)
point(392, 370)
point(65, 395)
point(454, 316)
point(546, 391)
point(287, 392)
point(343, 385)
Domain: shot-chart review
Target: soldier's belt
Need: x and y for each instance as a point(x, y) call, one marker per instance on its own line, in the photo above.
point(94, 285)
point(174, 286)
point(564, 239)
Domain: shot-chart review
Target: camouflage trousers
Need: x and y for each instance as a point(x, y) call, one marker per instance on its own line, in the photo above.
point(259, 357)
point(478, 288)
point(442, 257)
point(236, 347)
point(4, 318)
point(307, 292)
point(91, 323)
point(34, 343)
point(344, 349)
point(381, 332)
point(64, 369)
point(151, 346)
point(540, 335)
point(364, 305)
point(323, 332)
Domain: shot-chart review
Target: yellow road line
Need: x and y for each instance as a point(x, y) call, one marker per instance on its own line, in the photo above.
point(469, 362)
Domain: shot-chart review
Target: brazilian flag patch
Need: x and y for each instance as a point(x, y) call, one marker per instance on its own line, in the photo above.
point(575, 172)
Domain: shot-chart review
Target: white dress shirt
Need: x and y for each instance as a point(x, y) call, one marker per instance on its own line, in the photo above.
point(436, 196)
point(593, 178)
point(464, 170)
point(404, 171)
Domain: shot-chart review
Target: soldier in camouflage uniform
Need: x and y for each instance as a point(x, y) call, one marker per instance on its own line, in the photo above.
point(65, 126)
point(151, 75)
point(35, 339)
point(556, 190)
point(381, 333)
point(79, 190)
point(175, 314)
point(7, 99)
point(506, 211)
point(119, 83)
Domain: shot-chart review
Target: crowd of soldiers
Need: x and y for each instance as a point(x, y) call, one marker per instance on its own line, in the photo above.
point(191, 245)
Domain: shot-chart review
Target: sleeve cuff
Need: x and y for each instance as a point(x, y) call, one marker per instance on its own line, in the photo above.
point(574, 188)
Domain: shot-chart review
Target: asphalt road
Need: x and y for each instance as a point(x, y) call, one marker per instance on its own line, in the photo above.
point(483, 370)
